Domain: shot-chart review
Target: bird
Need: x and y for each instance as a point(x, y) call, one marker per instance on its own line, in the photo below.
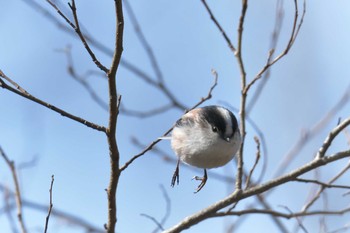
point(205, 137)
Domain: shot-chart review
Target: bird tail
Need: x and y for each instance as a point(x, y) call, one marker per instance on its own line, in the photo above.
point(165, 138)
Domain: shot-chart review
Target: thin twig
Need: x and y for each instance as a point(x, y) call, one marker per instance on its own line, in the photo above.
point(212, 17)
point(50, 205)
point(281, 214)
point(20, 91)
point(300, 223)
point(166, 215)
point(11, 165)
point(153, 220)
point(323, 184)
point(257, 158)
point(269, 62)
point(7, 210)
point(322, 188)
point(76, 28)
point(167, 208)
point(327, 143)
point(68, 217)
point(275, 35)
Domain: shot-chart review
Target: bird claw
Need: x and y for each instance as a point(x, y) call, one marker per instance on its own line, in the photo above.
point(202, 179)
point(175, 178)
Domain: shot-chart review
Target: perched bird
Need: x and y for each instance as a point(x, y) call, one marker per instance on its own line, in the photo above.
point(206, 137)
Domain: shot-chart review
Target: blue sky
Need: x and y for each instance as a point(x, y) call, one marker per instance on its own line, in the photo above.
point(301, 90)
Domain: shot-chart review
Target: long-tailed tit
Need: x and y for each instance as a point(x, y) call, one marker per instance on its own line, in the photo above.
point(205, 137)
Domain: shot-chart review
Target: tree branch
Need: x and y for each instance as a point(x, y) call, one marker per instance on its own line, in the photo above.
point(114, 103)
point(243, 194)
point(11, 165)
point(50, 205)
point(20, 91)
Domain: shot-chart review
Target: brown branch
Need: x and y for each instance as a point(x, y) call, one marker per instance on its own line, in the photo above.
point(50, 205)
point(295, 31)
point(114, 102)
point(212, 17)
point(322, 184)
point(11, 165)
point(123, 62)
point(243, 194)
point(20, 91)
point(243, 95)
point(76, 28)
point(281, 214)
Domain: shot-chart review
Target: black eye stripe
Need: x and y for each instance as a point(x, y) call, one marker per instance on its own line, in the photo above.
point(213, 116)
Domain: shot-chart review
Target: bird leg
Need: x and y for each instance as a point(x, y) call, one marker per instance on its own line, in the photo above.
point(176, 177)
point(203, 179)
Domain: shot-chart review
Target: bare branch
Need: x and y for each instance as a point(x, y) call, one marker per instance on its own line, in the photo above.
point(275, 35)
point(11, 165)
point(114, 103)
point(50, 205)
point(281, 214)
point(7, 210)
point(242, 112)
point(257, 158)
point(325, 185)
point(327, 143)
point(20, 91)
point(300, 223)
point(294, 34)
point(318, 194)
point(76, 28)
point(212, 17)
point(153, 220)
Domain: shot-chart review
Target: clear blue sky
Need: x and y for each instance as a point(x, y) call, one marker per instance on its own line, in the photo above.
point(302, 88)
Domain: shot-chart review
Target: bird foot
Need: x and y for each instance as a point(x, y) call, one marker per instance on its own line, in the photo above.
point(202, 179)
point(176, 178)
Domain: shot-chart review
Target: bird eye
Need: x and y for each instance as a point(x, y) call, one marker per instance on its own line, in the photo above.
point(215, 129)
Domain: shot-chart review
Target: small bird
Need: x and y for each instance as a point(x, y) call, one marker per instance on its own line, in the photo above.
point(206, 137)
